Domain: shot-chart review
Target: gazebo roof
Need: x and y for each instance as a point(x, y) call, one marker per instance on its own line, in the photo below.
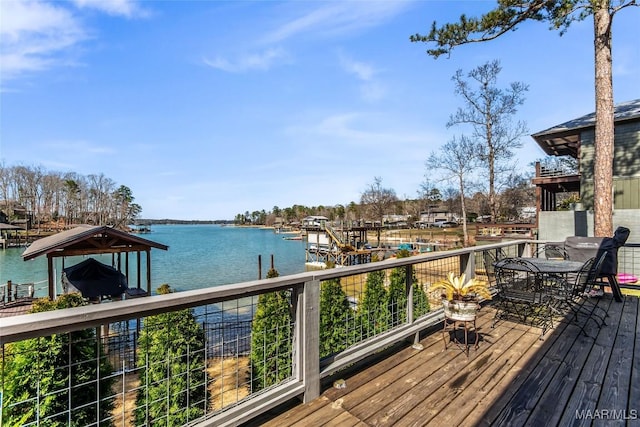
point(564, 139)
point(89, 239)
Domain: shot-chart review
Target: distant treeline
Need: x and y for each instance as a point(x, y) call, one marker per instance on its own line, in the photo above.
point(180, 221)
point(38, 197)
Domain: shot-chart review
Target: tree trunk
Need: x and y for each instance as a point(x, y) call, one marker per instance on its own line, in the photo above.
point(491, 159)
point(465, 231)
point(604, 133)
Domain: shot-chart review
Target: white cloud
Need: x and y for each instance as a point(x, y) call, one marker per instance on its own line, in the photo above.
point(330, 19)
point(357, 130)
point(37, 35)
point(126, 8)
point(256, 61)
point(337, 18)
point(33, 36)
point(371, 89)
point(359, 69)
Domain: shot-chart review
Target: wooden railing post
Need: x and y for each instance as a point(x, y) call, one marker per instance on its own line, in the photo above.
point(309, 344)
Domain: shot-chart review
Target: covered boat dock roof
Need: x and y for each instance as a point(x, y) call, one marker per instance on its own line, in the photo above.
point(87, 240)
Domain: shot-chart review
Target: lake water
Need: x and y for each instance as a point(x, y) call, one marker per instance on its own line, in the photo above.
point(199, 256)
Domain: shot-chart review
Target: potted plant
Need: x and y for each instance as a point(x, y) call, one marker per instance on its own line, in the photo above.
point(460, 296)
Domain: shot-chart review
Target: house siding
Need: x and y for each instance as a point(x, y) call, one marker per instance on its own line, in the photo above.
point(556, 226)
point(626, 167)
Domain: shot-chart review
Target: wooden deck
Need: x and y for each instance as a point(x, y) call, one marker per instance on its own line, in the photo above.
point(513, 379)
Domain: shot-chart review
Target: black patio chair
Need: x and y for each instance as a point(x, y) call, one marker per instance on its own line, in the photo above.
point(523, 294)
point(573, 293)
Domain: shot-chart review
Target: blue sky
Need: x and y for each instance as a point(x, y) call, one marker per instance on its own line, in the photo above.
point(206, 109)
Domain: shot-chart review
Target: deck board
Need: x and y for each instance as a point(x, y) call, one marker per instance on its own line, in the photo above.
point(498, 364)
point(415, 382)
point(453, 383)
point(618, 382)
point(588, 386)
point(514, 378)
point(497, 396)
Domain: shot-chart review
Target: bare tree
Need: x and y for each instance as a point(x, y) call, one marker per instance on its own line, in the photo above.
point(489, 110)
point(6, 178)
point(378, 200)
point(457, 159)
point(100, 202)
point(52, 195)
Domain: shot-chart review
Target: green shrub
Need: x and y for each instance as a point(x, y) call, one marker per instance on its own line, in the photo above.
point(44, 367)
point(335, 314)
point(397, 295)
point(373, 315)
point(172, 375)
point(271, 338)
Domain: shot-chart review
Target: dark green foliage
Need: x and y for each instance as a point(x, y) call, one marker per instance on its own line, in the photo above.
point(172, 376)
point(271, 338)
point(373, 315)
point(420, 300)
point(397, 296)
point(41, 367)
point(335, 314)
point(504, 18)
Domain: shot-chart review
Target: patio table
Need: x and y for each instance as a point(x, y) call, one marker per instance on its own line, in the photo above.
point(559, 267)
point(543, 265)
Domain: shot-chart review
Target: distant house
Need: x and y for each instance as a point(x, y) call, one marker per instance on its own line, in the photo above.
point(575, 138)
point(314, 221)
point(12, 212)
point(439, 213)
point(396, 221)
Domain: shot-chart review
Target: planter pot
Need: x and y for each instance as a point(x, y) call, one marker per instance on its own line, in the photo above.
point(463, 311)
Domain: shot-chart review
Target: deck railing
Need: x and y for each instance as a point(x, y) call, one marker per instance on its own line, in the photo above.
point(547, 172)
point(221, 355)
point(16, 292)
